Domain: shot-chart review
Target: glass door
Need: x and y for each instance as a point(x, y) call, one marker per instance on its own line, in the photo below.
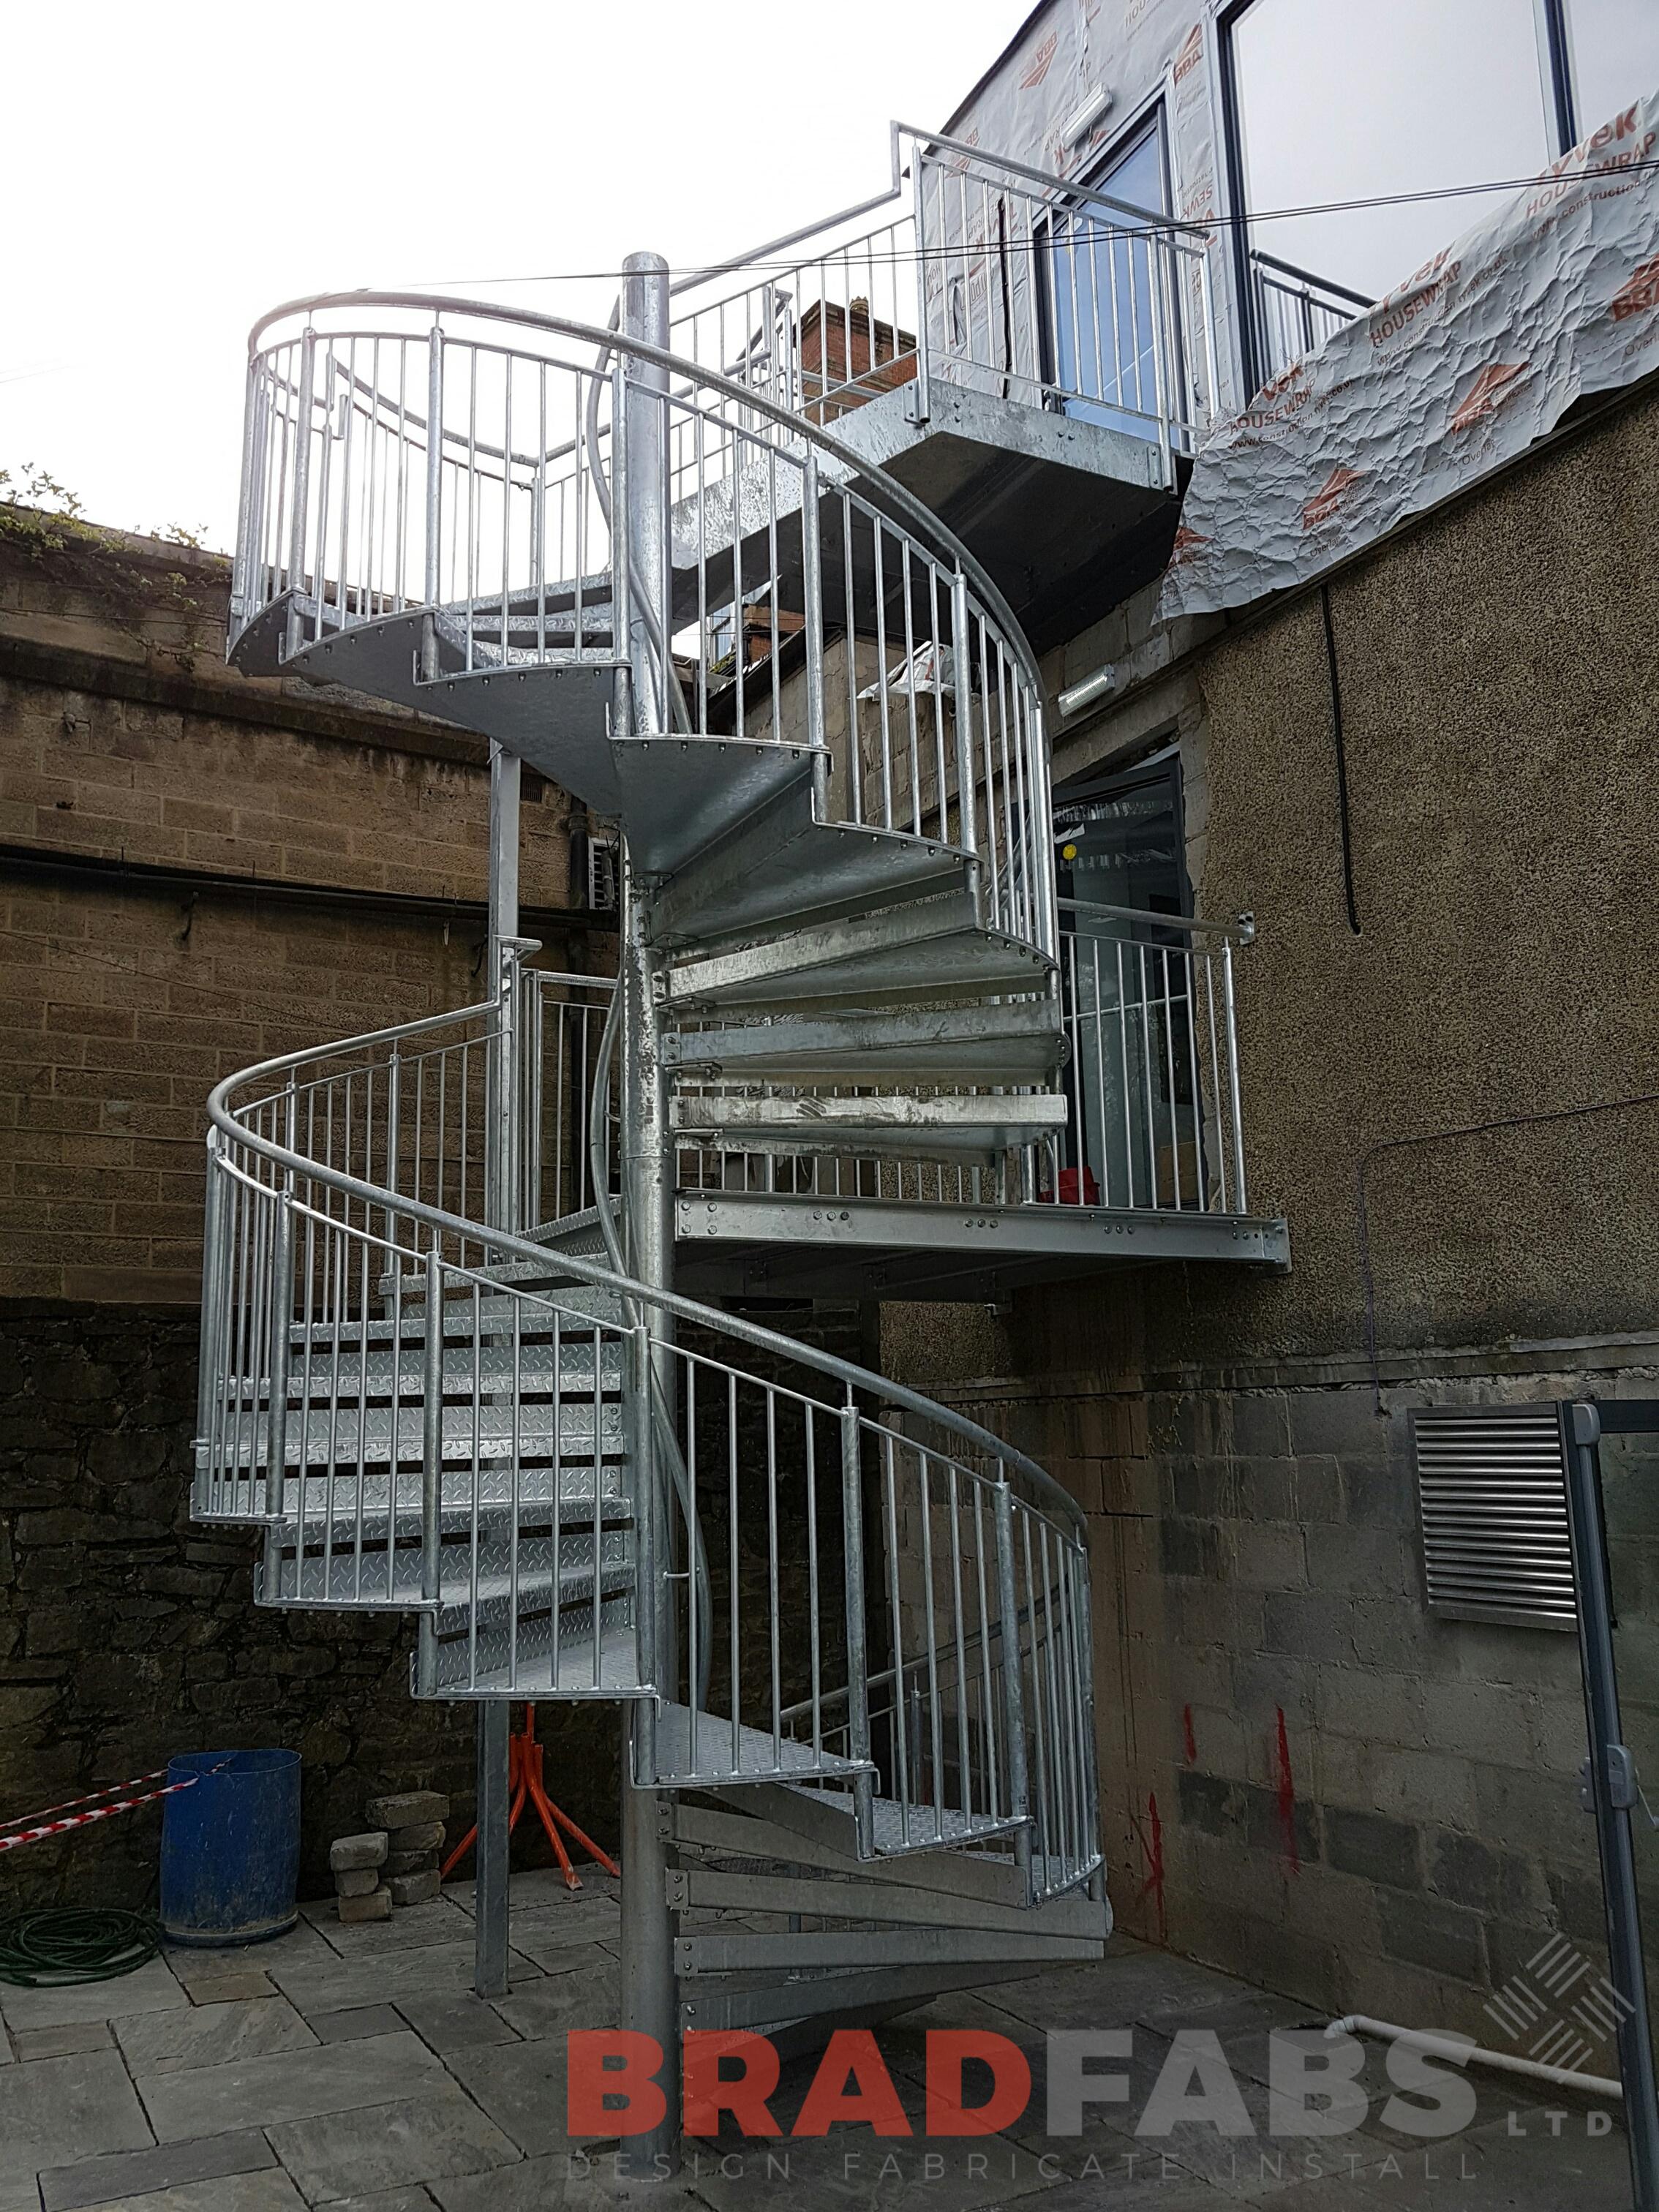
point(1130, 1074)
point(1102, 297)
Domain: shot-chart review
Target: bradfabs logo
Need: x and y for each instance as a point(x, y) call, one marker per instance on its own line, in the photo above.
point(1313, 2090)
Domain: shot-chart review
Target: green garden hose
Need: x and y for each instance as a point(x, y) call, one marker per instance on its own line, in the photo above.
point(53, 1948)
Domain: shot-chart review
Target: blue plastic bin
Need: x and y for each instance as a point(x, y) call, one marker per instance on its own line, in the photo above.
point(230, 1847)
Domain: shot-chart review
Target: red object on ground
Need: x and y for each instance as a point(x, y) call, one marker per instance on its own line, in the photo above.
point(524, 1780)
point(1069, 1194)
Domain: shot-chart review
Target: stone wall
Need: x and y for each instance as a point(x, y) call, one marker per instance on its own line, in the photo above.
point(198, 871)
point(1308, 1778)
point(129, 1634)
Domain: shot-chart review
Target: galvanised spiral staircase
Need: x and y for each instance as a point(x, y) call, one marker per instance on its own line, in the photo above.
point(444, 1372)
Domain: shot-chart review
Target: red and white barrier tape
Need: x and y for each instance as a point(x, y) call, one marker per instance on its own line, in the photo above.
point(44, 1826)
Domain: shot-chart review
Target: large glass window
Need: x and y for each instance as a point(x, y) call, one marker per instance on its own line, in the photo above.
point(1337, 105)
point(1613, 50)
point(1367, 100)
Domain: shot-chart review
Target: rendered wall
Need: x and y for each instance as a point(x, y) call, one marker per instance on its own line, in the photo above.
point(1307, 1779)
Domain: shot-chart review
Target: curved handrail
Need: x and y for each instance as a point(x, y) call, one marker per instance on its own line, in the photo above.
point(870, 473)
point(223, 1119)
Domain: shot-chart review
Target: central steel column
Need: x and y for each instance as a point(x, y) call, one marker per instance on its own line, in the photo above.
point(650, 2001)
point(494, 1845)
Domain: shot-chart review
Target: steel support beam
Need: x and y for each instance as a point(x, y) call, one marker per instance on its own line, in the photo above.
point(648, 1994)
point(492, 1851)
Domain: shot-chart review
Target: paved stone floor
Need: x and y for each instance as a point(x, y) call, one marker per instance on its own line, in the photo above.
point(352, 2067)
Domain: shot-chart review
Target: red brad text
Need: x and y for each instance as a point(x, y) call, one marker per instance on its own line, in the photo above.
point(613, 2087)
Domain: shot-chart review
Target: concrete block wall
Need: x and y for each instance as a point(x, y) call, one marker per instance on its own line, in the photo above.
point(1307, 1779)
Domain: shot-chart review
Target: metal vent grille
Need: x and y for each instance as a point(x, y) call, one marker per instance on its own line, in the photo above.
point(602, 871)
point(1492, 1493)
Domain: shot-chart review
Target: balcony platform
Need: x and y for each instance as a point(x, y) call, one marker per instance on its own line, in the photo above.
point(770, 1244)
point(1064, 512)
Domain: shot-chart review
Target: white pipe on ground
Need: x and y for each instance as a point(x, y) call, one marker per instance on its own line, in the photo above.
point(1465, 2053)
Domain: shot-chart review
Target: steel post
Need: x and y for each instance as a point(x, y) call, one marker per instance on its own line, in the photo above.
point(494, 1722)
point(1613, 1794)
point(649, 2002)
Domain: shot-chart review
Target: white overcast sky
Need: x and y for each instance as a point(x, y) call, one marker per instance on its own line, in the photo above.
point(169, 169)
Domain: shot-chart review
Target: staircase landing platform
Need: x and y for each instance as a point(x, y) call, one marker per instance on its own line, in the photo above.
point(772, 1244)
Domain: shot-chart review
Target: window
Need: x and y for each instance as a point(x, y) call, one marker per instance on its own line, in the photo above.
point(1409, 97)
point(1613, 57)
point(1099, 300)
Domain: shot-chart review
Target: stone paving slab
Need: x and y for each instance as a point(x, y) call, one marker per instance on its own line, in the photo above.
point(138, 2174)
point(222, 1986)
point(557, 2184)
point(211, 2035)
point(389, 2200)
point(521, 2086)
point(63, 2042)
point(436, 1921)
point(425, 2138)
point(545, 1934)
point(1154, 2187)
point(859, 2174)
point(246, 2192)
point(335, 1984)
point(352, 2026)
point(1114, 1991)
point(587, 1995)
point(289, 2085)
point(56, 2111)
point(152, 1989)
point(1491, 2170)
point(540, 1886)
point(456, 2023)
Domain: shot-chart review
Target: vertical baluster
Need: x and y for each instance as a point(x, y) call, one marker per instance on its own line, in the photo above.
point(1013, 1686)
point(733, 1613)
point(901, 1778)
point(1235, 1104)
point(432, 1472)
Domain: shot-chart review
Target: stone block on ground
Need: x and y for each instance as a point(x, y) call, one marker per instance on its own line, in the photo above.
point(351, 1854)
point(408, 1809)
point(377, 1906)
point(419, 1836)
point(414, 1888)
point(357, 1882)
point(410, 1862)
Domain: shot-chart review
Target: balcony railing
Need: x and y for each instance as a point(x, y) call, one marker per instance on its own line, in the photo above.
point(979, 273)
point(1155, 1119)
point(1292, 312)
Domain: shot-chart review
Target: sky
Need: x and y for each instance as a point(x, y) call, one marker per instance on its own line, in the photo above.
point(172, 169)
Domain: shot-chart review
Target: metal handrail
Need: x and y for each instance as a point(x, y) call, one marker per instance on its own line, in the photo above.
point(328, 545)
point(883, 485)
point(1310, 277)
point(1241, 930)
point(457, 1227)
point(1062, 187)
point(942, 293)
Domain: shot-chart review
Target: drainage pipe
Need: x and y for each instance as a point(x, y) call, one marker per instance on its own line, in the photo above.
point(1464, 2054)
